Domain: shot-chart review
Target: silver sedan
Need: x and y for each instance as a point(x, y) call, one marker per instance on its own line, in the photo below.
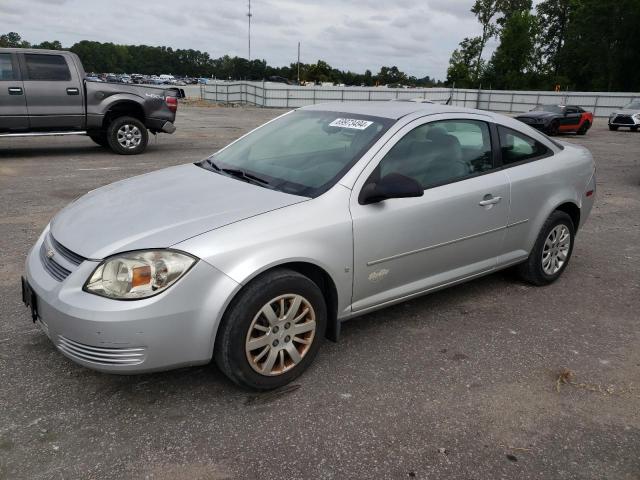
point(256, 254)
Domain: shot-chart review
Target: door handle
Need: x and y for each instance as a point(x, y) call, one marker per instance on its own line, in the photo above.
point(15, 91)
point(489, 200)
point(73, 91)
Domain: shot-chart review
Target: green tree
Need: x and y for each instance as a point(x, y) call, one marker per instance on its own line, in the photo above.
point(13, 40)
point(511, 64)
point(465, 62)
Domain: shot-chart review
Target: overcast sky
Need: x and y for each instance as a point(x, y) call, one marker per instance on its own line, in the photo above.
point(416, 35)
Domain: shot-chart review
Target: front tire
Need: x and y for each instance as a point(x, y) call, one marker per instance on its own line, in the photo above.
point(272, 330)
point(613, 128)
point(634, 129)
point(551, 252)
point(554, 128)
point(127, 136)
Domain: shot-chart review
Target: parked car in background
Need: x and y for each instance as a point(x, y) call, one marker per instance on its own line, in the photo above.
point(628, 116)
point(45, 92)
point(328, 212)
point(555, 119)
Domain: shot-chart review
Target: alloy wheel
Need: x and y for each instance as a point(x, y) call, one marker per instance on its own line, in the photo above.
point(556, 249)
point(129, 136)
point(280, 334)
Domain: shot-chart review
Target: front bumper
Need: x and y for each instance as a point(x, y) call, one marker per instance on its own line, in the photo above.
point(173, 329)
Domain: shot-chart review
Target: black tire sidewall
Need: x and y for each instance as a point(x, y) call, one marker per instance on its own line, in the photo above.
point(555, 219)
point(112, 135)
point(229, 350)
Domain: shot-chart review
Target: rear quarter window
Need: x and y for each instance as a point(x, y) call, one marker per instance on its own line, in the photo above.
point(47, 67)
point(516, 147)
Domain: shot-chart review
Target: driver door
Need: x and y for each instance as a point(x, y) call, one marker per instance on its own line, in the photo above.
point(406, 246)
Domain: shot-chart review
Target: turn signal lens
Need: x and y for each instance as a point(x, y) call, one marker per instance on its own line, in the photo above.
point(135, 275)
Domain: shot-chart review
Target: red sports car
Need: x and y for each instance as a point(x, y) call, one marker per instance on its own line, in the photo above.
point(555, 119)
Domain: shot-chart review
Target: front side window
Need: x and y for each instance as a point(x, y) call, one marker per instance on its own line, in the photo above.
point(6, 67)
point(517, 147)
point(440, 152)
point(303, 153)
point(47, 67)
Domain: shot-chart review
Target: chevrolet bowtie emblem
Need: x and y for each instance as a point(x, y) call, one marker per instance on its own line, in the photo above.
point(50, 253)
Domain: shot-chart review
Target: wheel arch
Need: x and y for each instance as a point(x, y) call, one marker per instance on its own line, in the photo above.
point(571, 209)
point(123, 107)
point(317, 274)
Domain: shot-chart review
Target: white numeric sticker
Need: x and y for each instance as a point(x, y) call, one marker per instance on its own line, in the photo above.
point(353, 123)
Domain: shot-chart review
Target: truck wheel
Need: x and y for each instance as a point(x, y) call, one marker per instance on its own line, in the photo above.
point(100, 139)
point(127, 136)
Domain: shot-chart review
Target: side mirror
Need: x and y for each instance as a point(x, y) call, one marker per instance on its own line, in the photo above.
point(393, 185)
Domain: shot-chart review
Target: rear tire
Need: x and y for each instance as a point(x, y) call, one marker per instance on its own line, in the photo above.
point(252, 347)
point(553, 129)
point(583, 128)
point(551, 252)
point(127, 136)
point(613, 128)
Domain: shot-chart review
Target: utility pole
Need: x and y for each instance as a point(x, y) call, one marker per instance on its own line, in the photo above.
point(249, 15)
point(298, 63)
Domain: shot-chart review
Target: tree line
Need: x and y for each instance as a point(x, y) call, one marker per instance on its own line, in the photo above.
point(584, 45)
point(148, 60)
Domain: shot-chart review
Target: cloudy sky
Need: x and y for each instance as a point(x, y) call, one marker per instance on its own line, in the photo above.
point(416, 35)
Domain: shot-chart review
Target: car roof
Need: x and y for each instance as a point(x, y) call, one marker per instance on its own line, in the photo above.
point(392, 110)
point(33, 50)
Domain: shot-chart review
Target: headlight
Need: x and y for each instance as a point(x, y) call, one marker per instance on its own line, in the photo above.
point(636, 116)
point(142, 274)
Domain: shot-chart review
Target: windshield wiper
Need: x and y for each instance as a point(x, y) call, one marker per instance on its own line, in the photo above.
point(238, 173)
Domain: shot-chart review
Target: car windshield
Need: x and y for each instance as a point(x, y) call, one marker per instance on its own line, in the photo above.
point(302, 153)
point(549, 108)
point(635, 105)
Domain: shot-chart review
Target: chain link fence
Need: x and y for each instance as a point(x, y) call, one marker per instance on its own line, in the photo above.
point(274, 95)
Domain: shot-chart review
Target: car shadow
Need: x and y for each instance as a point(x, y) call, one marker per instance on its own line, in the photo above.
point(209, 381)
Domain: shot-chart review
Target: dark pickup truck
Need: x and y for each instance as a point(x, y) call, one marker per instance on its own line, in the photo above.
point(44, 92)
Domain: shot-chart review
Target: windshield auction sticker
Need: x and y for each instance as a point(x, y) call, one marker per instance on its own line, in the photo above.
point(350, 123)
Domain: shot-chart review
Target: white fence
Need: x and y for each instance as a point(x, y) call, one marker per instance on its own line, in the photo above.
point(277, 95)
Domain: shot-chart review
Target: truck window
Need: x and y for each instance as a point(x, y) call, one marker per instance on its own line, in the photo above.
point(47, 67)
point(6, 68)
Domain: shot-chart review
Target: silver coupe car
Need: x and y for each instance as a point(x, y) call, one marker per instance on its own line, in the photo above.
point(256, 254)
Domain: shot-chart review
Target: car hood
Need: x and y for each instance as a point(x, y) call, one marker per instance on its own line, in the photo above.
point(625, 112)
point(160, 209)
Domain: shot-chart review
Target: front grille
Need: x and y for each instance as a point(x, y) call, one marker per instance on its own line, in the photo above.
point(50, 250)
point(65, 252)
point(623, 119)
point(101, 355)
point(56, 270)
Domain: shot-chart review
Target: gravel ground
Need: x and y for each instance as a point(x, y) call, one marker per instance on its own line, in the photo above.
point(457, 384)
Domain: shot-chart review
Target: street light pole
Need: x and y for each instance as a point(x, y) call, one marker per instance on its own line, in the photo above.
point(249, 15)
point(298, 63)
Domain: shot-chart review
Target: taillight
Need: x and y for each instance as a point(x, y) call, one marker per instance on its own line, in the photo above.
point(172, 103)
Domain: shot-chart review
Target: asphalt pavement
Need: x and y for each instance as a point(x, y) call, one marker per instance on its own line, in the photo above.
point(490, 379)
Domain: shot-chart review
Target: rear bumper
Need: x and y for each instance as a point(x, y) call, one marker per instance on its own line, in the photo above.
point(160, 125)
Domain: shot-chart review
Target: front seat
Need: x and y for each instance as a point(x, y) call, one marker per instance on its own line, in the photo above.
point(446, 161)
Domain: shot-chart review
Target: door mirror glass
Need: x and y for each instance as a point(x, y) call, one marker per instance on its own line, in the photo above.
point(393, 185)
